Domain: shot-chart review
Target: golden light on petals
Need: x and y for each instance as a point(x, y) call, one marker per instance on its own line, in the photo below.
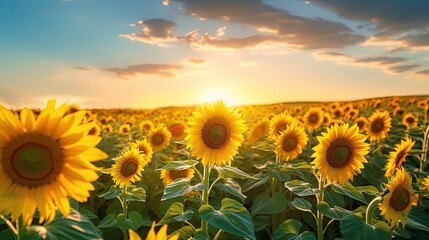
point(340, 153)
point(291, 142)
point(215, 132)
point(279, 123)
point(159, 138)
point(169, 176)
point(257, 132)
point(313, 118)
point(128, 166)
point(379, 125)
point(44, 160)
point(397, 157)
point(410, 120)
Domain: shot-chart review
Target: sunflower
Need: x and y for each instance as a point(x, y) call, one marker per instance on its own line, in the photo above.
point(159, 138)
point(124, 128)
point(257, 132)
point(128, 166)
point(72, 108)
point(169, 176)
point(146, 126)
point(409, 120)
point(326, 118)
point(397, 203)
point(177, 131)
point(152, 235)
point(45, 160)
point(144, 147)
point(340, 153)
point(426, 183)
point(362, 123)
point(215, 132)
point(95, 130)
point(107, 128)
point(397, 157)
point(313, 118)
point(291, 142)
point(379, 125)
point(279, 123)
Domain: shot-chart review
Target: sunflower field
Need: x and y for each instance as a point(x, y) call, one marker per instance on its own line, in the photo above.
point(329, 170)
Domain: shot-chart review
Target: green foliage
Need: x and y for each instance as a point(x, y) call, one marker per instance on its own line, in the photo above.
point(266, 204)
point(180, 187)
point(355, 228)
point(301, 188)
point(175, 213)
point(289, 230)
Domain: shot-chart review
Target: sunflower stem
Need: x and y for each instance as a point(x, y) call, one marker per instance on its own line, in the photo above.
point(10, 225)
point(206, 180)
point(370, 209)
point(217, 234)
point(425, 149)
point(319, 214)
point(273, 192)
point(124, 208)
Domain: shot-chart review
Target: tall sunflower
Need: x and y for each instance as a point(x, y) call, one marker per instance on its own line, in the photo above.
point(340, 153)
point(215, 132)
point(257, 132)
point(410, 120)
point(397, 157)
point(128, 167)
point(45, 160)
point(313, 118)
point(144, 147)
point(362, 123)
point(291, 142)
point(379, 125)
point(397, 203)
point(159, 138)
point(169, 176)
point(279, 123)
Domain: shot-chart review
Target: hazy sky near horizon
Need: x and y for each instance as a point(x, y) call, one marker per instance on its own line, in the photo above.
point(155, 53)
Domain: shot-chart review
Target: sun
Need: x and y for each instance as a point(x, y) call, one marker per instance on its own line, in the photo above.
point(214, 94)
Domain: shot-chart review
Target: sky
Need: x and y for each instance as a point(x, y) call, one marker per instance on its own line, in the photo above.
point(157, 53)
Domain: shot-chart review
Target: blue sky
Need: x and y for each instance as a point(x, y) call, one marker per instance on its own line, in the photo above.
point(146, 54)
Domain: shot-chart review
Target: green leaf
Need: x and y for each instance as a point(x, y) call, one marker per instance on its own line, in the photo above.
point(418, 219)
point(261, 222)
point(186, 232)
point(265, 204)
point(74, 204)
point(135, 194)
point(371, 190)
point(88, 214)
point(300, 188)
point(113, 192)
point(7, 235)
point(74, 226)
point(175, 213)
point(229, 185)
point(134, 221)
point(180, 165)
point(253, 183)
point(108, 221)
point(302, 204)
point(354, 227)
point(336, 213)
point(180, 187)
point(289, 230)
point(231, 218)
point(349, 190)
point(231, 172)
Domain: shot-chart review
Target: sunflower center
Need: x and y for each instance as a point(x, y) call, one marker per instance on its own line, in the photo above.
point(410, 120)
point(175, 174)
point(400, 199)
point(377, 126)
point(157, 139)
point(340, 153)
point(289, 143)
point(280, 127)
point(216, 133)
point(313, 118)
point(400, 159)
point(360, 124)
point(129, 168)
point(32, 159)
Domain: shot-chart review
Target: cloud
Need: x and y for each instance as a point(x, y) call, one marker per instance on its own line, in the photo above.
point(154, 31)
point(195, 61)
point(403, 23)
point(278, 25)
point(424, 72)
point(164, 70)
point(403, 68)
point(384, 60)
point(84, 68)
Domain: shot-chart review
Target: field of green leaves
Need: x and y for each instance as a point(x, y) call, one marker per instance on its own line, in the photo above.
point(331, 170)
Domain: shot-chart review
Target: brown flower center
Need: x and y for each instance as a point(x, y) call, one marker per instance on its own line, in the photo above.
point(175, 174)
point(281, 126)
point(340, 153)
point(216, 133)
point(313, 118)
point(410, 120)
point(400, 158)
point(289, 143)
point(400, 199)
point(32, 159)
point(129, 167)
point(157, 139)
point(377, 126)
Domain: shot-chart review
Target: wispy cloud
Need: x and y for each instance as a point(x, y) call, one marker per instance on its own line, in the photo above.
point(84, 68)
point(195, 61)
point(403, 68)
point(164, 70)
point(424, 72)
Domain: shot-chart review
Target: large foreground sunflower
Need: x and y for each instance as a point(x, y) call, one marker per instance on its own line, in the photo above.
point(291, 142)
point(128, 166)
point(215, 132)
point(45, 160)
point(340, 153)
point(397, 157)
point(397, 203)
point(379, 125)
